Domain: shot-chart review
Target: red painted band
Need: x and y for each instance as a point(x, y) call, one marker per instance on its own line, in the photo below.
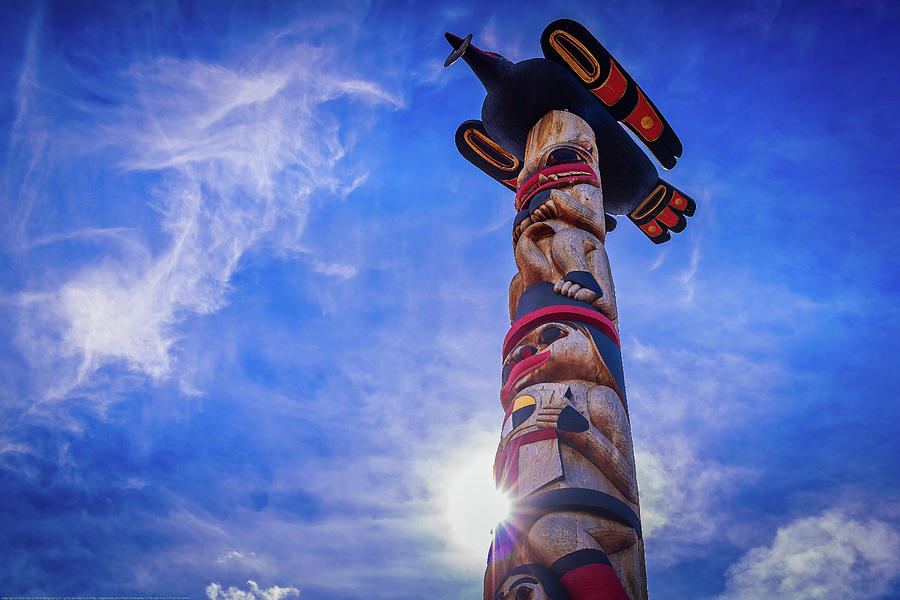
point(560, 312)
point(667, 217)
point(650, 129)
point(593, 582)
point(652, 229)
point(522, 367)
point(510, 456)
point(529, 187)
point(612, 90)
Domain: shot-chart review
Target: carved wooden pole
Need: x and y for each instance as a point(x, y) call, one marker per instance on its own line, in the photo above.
point(553, 133)
point(565, 453)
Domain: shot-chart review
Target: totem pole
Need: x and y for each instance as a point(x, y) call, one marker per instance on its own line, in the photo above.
point(552, 132)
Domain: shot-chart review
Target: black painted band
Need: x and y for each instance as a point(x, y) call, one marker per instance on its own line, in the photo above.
point(551, 585)
point(577, 500)
point(579, 558)
point(585, 280)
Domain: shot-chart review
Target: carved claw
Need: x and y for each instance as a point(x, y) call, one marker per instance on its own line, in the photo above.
point(585, 295)
point(571, 289)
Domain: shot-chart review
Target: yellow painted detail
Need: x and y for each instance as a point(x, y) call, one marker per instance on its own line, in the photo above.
point(523, 401)
point(587, 72)
point(477, 140)
point(647, 122)
point(650, 203)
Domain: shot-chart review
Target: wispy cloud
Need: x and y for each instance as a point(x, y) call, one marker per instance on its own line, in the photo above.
point(681, 494)
point(830, 555)
point(369, 91)
point(27, 145)
point(687, 278)
point(240, 152)
point(503, 40)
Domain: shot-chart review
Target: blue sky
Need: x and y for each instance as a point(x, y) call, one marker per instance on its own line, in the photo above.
point(253, 299)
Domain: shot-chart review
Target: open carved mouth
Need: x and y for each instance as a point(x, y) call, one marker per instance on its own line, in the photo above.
point(565, 167)
point(520, 369)
point(555, 176)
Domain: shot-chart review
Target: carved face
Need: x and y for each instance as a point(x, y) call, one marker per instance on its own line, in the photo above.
point(552, 352)
point(560, 165)
point(561, 182)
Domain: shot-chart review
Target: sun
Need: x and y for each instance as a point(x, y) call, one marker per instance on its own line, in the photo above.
point(474, 506)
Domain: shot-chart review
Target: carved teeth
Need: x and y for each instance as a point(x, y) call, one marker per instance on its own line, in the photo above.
point(544, 178)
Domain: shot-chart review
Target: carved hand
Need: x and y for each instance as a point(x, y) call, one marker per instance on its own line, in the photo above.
point(561, 415)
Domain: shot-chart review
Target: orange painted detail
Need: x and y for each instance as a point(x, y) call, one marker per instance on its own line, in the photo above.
point(511, 182)
point(612, 90)
point(576, 55)
point(651, 229)
point(678, 201)
point(490, 150)
point(644, 119)
point(650, 203)
point(668, 217)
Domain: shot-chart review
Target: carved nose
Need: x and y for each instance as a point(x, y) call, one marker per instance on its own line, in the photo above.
point(517, 356)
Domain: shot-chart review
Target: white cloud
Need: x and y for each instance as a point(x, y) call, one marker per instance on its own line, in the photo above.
point(214, 591)
point(660, 259)
point(679, 493)
point(12, 447)
point(674, 390)
point(681, 398)
point(688, 277)
point(241, 152)
point(231, 555)
point(27, 147)
point(509, 42)
point(336, 269)
point(831, 555)
point(369, 91)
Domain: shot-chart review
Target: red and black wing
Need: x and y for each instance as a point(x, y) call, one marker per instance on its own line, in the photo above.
point(663, 210)
point(474, 143)
point(571, 45)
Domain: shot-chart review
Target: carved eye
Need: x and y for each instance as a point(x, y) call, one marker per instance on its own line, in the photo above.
point(562, 156)
point(523, 593)
point(551, 334)
point(526, 351)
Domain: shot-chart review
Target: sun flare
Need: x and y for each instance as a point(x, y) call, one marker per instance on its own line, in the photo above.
point(474, 505)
